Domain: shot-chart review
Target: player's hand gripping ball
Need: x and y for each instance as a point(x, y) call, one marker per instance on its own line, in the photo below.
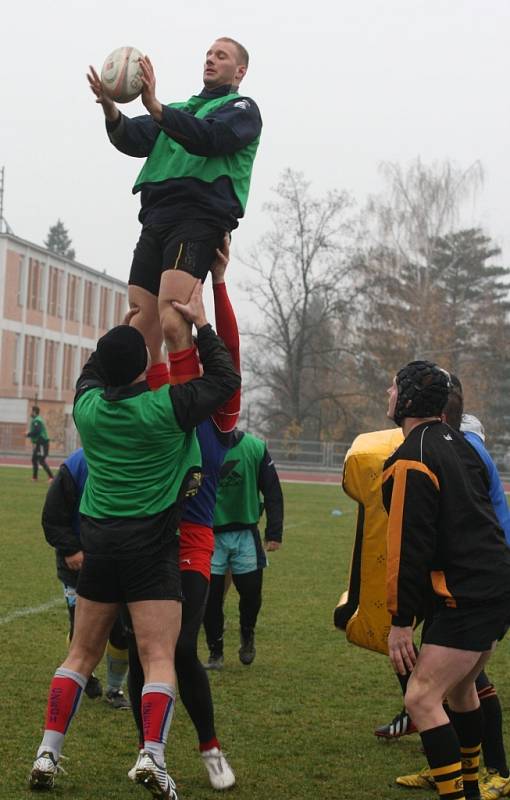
point(121, 75)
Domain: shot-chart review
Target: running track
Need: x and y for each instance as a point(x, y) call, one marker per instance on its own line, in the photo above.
point(293, 476)
point(289, 476)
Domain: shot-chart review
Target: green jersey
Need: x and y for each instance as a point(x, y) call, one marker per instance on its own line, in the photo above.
point(169, 160)
point(238, 499)
point(38, 430)
point(138, 456)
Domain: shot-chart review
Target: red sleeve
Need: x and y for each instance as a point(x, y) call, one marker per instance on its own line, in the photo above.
point(226, 417)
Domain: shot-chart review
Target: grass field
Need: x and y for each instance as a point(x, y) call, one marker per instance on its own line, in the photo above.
point(296, 724)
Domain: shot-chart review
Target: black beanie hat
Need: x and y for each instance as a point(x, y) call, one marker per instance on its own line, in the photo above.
point(122, 355)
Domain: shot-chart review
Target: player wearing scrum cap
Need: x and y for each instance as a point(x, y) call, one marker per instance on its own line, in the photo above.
point(193, 186)
point(143, 458)
point(442, 531)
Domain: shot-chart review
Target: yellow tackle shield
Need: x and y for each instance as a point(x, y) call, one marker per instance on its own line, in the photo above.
point(361, 610)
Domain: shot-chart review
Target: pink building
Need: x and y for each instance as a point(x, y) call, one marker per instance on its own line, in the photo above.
point(52, 311)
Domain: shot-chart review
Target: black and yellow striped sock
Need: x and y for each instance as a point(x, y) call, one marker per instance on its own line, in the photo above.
point(468, 726)
point(442, 749)
point(470, 768)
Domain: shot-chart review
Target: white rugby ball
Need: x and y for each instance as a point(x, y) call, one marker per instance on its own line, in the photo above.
point(121, 75)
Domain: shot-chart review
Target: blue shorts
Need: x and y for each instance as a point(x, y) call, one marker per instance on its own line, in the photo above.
point(239, 551)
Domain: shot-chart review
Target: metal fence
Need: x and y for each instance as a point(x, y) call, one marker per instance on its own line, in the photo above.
point(299, 454)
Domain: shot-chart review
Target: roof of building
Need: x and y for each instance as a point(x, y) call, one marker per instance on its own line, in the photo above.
point(57, 257)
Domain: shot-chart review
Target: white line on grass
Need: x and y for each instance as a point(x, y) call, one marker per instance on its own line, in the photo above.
point(27, 612)
point(311, 483)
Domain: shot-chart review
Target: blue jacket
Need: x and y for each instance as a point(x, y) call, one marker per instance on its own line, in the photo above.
point(496, 491)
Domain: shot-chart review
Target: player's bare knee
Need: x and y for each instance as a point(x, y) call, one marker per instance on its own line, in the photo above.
point(176, 331)
point(420, 701)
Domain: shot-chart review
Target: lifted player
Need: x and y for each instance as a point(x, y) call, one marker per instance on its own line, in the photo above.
point(194, 186)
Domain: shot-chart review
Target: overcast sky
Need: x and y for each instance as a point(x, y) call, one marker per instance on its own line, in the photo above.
point(341, 86)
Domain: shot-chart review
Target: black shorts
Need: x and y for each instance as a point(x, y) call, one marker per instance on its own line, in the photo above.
point(189, 246)
point(474, 628)
point(128, 580)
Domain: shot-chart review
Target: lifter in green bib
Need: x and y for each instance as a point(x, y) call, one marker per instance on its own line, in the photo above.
point(193, 188)
point(143, 459)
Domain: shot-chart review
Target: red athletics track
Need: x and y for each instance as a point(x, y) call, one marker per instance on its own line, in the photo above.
point(286, 475)
point(290, 475)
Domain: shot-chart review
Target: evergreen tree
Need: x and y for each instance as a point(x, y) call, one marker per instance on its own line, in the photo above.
point(464, 312)
point(58, 240)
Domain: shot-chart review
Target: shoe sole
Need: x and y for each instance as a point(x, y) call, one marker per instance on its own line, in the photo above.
point(41, 781)
point(148, 780)
point(390, 736)
point(118, 707)
point(424, 785)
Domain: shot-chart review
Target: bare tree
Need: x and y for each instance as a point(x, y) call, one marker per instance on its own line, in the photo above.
point(421, 203)
point(434, 291)
point(302, 287)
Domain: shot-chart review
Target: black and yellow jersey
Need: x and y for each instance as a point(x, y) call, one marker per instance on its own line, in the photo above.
point(442, 529)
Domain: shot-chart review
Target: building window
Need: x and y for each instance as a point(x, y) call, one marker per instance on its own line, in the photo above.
point(68, 367)
point(21, 275)
point(15, 357)
point(85, 355)
point(72, 298)
point(104, 303)
point(34, 287)
point(30, 361)
point(120, 307)
point(54, 289)
point(88, 303)
point(50, 364)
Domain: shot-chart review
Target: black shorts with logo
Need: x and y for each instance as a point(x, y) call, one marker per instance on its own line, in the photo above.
point(471, 628)
point(107, 579)
point(189, 246)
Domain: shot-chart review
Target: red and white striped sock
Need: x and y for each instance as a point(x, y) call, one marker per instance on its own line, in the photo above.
point(158, 702)
point(66, 691)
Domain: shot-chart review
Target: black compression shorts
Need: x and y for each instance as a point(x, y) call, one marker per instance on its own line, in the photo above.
point(188, 246)
point(104, 579)
point(474, 628)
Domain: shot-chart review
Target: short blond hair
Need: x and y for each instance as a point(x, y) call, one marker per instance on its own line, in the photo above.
point(243, 56)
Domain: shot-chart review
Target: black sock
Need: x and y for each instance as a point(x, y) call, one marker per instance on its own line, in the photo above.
point(442, 749)
point(493, 747)
point(468, 726)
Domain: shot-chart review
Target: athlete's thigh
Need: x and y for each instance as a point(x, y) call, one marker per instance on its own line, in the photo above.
point(439, 669)
point(156, 625)
point(468, 683)
point(147, 319)
point(220, 561)
point(244, 554)
point(147, 263)
point(92, 623)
